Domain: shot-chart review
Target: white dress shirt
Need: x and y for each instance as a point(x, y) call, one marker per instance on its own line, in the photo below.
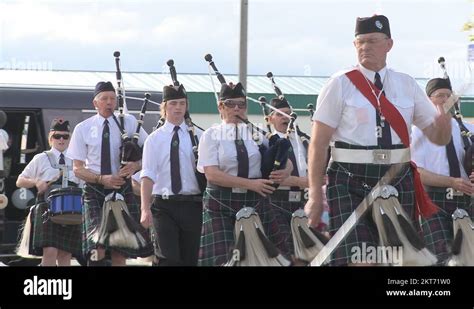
point(217, 148)
point(342, 106)
point(156, 160)
point(86, 141)
point(40, 168)
point(432, 157)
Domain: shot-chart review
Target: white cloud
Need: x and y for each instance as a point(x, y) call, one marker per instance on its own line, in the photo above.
point(82, 23)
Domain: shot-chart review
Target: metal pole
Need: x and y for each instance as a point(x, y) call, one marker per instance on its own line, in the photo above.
point(243, 43)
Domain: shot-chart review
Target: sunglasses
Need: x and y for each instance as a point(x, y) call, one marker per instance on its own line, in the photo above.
point(442, 95)
point(234, 103)
point(58, 136)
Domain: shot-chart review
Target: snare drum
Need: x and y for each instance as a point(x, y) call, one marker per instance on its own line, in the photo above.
point(65, 205)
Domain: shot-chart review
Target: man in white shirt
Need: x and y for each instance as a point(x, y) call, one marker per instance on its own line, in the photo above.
point(95, 149)
point(443, 174)
point(346, 118)
point(171, 199)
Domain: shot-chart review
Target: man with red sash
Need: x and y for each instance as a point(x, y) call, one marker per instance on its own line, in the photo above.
point(365, 113)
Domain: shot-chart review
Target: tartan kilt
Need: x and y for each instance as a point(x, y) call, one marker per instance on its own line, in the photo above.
point(49, 234)
point(93, 200)
point(438, 229)
point(220, 207)
point(283, 210)
point(344, 194)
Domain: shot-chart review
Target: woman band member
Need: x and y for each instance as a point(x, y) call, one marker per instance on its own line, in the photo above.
point(58, 241)
point(231, 161)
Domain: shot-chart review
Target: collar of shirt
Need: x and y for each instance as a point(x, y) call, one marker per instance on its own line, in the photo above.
point(371, 74)
point(169, 127)
point(231, 127)
point(102, 119)
point(57, 153)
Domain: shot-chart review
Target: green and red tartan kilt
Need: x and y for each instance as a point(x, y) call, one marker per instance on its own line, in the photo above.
point(283, 210)
point(344, 194)
point(49, 234)
point(219, 209)
point(93, 197)
point(438, 229)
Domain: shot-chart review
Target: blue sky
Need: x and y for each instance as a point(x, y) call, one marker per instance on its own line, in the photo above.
point(299, 37)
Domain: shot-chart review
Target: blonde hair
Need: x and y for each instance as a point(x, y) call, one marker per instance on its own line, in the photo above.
point(50, 136)
point(163, 108)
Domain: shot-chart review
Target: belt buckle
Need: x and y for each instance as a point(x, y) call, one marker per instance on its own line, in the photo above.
point(294, 196)
point(239, 190)
point(381, 156)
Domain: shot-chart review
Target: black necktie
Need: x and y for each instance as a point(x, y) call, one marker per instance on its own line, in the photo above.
point(105, 164)
point(454, 169)
point(174, 161)
point(61, 159)
point(386, 140)
point(242, 155)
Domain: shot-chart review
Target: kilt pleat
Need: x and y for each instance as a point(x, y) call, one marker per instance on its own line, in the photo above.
point(219, 210)
point(283, 210)
point(49, 234)
point(93, 200)
point(345, 193)
point(438, 229)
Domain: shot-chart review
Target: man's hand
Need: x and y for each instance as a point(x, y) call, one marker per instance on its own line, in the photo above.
point(129, 169)
point(462, 185)
point(439, 132)
point(42, 186)
point(314, 210)
point(112, 181)
point(262, 186)
point(146, 218)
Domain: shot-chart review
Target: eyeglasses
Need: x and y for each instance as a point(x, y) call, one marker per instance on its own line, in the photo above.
point(442, 95)
point(59, 136)
point(360, 42)
point(234, 103)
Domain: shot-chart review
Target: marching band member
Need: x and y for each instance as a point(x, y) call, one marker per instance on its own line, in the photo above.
point(231, 161)
point(443, 174)
point(346, 116)
point(170, 196)
point(58, 241)
point(290, 195)
point(95, 149)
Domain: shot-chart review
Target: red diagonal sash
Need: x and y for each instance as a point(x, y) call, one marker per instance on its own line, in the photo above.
point(425, 206)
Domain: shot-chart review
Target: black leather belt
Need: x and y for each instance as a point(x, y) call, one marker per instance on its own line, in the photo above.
point(179, 198)
point(227, 189)
point(289, 195)
point(443, 190)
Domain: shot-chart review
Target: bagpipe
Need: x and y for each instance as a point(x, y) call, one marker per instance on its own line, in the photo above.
point(308, 242)
point(463, 243)
point(117, 227)
point(466, 135)
point(201, 178)
point(130, 150)
point(303, 136)
point(275, 156)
